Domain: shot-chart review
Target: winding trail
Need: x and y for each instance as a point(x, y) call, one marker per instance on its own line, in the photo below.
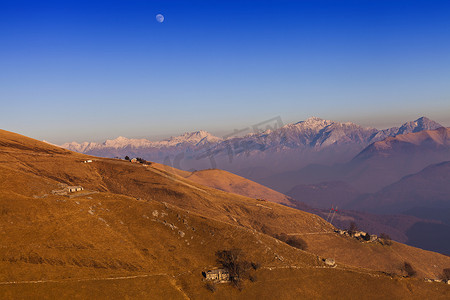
point(82, 279)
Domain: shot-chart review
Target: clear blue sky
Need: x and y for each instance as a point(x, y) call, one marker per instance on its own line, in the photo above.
point(92, 70)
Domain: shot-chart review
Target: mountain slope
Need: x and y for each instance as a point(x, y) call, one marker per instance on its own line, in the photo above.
point(324, 194)
point(389, 160)
point(378, 165)
point(142, 227)
point(427, 188)
point(228, 182)
point(401, 228)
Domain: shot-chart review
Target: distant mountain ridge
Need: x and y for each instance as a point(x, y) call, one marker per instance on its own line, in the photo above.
point(195, 138)
point(376, 166)
point(426, 188)
point(288, 147)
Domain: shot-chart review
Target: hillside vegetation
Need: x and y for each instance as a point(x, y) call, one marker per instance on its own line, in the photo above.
point(143, 232)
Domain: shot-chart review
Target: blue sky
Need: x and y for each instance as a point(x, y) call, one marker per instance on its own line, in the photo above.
point(93, 70)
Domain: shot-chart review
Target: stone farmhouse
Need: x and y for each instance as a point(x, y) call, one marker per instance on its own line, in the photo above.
point(72, 189)
point(220, 275)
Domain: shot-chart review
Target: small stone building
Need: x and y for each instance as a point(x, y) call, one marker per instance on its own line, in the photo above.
point(221, 275)
point(72, 189)
point(330, 262)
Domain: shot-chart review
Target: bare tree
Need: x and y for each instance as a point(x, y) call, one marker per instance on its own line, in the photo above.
point(236, 266)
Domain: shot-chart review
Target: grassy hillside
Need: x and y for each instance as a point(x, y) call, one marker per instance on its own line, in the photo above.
point(229, 182)
point(143, 232)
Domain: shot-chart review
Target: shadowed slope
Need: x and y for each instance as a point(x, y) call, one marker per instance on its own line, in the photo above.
point(427, 188)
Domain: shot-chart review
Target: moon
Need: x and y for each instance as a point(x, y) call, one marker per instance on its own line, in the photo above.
point(159, 18)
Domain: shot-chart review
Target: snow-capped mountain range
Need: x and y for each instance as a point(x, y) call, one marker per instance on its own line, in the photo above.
point(310, 141)
point(197, 138)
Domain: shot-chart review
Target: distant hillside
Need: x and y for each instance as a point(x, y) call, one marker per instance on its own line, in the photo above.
point(427, 188)
point(324, 194)
point(425, 231)
point(380, 164)
point(387, 161)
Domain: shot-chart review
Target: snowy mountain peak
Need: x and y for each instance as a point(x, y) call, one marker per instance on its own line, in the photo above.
point(315, 120)
point(195, 137)
point(313, 134)
point(122, 142)
point(83, 147)
point(120, 139)
point(422, 123)
point(312, 123)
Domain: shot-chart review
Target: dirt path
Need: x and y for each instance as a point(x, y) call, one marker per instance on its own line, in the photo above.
point(82, 279)
point(307, 233)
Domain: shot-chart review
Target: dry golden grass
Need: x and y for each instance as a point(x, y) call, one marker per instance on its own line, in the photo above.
point(229, 182)
point(145, 221)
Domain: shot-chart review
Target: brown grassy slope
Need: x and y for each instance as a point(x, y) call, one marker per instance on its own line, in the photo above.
point(285, 283)
point(106, 234)
point(350, 251)
point(170, 169)
point(327, 283)
point(153, 184)
point(229, 182)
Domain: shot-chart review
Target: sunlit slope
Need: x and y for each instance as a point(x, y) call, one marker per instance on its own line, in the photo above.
point(149, 183)
point(133, 220)
point(228, 182)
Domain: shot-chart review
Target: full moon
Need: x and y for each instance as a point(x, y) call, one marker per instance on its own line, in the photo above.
point(159, 18)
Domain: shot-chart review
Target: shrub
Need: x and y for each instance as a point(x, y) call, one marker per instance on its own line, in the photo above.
point(366, 237)
point(293, 241)
point(297, 243)
point(282, 237)
point(385, 239)
point(267, 230)
point(445, 274)
point(141, 160)
point(352, 228)
point(408, 269)
point(211, 287)
point(255, 266)
point(127, 157)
